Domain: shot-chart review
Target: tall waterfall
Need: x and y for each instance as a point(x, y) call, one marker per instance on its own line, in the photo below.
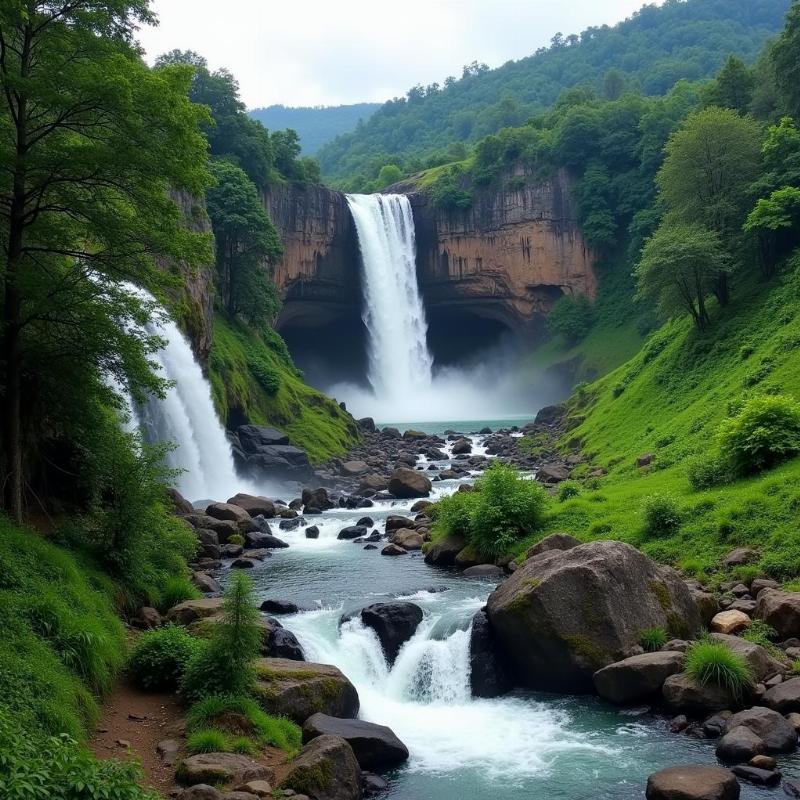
point(399, 360)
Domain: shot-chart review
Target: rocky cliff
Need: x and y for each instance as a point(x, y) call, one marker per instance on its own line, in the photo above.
point(510, 256)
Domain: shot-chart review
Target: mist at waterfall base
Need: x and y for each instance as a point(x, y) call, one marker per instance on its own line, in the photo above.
point(404, 383)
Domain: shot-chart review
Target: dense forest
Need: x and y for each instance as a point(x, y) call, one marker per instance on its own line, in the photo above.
point(315, 125)
point(654, 49)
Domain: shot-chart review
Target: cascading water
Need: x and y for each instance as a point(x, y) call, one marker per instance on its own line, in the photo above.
point(399, 359)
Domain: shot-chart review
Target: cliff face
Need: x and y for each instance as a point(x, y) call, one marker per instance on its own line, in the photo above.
point(319, 274)
point(510, 256)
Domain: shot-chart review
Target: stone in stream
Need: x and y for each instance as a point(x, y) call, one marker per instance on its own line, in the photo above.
point(407, 539)
point(489, 675)
point(352, 532)
point(374, 746)
point(395, 522)
point(637, 678)
point(394, 550)
point(407, 483)
point(263, 540)
point(312, 532)
point(394, 624)
point(283, 644)
point(738, 745)
point(693, 782)
point(254, 505)
point(443, 552)
point(228, 511)
point(484, 571)
point(754, 775)
point(326, 769)
point(778, 735)
point(279, 607)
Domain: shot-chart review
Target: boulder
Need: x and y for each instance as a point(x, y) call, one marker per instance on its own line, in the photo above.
point(759, 777)
point(565, 614)
point(785, 697)
point(443, 552)
point(762, 583)
point(220, 768)
point(635, 679)
point(682, 693)
point(549, 415)
point(266, 541)
point(205, 583)
point(224, 528)
point(739, 745)
point(408, 483)
point(395, 522)
point(373, 481)
point(352, 532)
point(192, 610)
point(693, 782)
point(730, 621)
point(326, 769)
point(284, 644)
point(484, 571)
point(257, 788)
point(243, 563)
point(374, 746)
point(556, 541)
point(777, 733)
point(180, 504)
point(299, 689)
point(353, 469)
point(228, 511)
point(201, 791)
point(552, 473)
point(393, 550)
point(739, 556)
point(490, 675)
point(254, 505)
point(461, 446)
point(761, 663)
point(366, 424)
point(421, 505)
point(312, 532)
point(781, 610)
point(253, 438)
point(407, 539)
point(394, 624)
point(279, 607)
point(316, 498)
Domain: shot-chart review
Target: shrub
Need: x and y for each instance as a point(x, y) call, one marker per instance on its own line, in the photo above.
point(763, 433)
point(653, 639)
point(452, 514)
point(567, 490)
point(266, 729)
point(267, 377)
point(760, 633)
point(661, 515)
point(571, 317)
point(707, 471)
point(175, 590)
point(35, 767)
point(160, 657)
point(224, 664)
point(714, 663)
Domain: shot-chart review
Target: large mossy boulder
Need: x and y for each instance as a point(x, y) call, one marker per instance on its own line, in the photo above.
point(376, 747)
point(326, 769)
point(565, 614)
point(298, 689)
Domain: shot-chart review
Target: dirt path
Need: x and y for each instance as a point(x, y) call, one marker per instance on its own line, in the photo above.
point(132, 725)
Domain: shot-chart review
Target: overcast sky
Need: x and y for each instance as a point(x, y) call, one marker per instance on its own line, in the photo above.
point(324, 52)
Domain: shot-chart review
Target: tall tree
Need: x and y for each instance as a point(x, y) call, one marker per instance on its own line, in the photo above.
point(706, 177)
point(786, 58)
point(733, 87)
point(91, 141)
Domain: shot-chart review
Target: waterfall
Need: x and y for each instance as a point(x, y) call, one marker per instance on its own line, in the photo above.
point(399, 360)
point(186, 417)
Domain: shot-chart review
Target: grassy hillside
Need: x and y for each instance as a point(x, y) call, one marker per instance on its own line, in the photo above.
point(669, 400)
point(253, 378)
point(315, 125)
point(652, 50)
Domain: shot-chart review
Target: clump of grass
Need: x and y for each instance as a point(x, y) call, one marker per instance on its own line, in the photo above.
point(208, 740)
point(653, 639)
point(758, 632)
point(661, 515)
point(796, 667)
point(714, 663)
point(568, 490)
point(176, 590)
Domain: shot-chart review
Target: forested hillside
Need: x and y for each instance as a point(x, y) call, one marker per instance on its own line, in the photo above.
point(315, 125)
point(658, 46)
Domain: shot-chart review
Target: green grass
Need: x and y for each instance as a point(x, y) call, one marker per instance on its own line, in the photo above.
point(653, 639)
point(176, 590)
point(238, 362)
point(714, 663)
point(159, 657)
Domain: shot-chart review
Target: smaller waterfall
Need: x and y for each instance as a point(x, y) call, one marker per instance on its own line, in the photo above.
point(399, 359)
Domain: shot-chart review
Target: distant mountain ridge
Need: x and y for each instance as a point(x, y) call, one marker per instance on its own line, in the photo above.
point(652, 50)
point(316, 125)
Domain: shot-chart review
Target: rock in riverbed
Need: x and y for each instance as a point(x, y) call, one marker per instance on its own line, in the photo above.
point(326, 769)
point(693, 782)
point(394, 624)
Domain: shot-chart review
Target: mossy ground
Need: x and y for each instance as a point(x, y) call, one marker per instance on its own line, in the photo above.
point(243, 362)
point(669, 400)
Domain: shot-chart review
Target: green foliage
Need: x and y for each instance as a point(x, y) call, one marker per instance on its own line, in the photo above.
point(37, 767)
point(175, 590)
point(653, 639)
point(733, 87)
point(389, 174)
point(567, 490)
point(765, 432)
point(504, 508)
point(159, 658)
point(571, 318)
point(661, 515)
point(706, 471)
point(268, 378)
point(715, 664)
point(208, 740)
point(759, 632)
point(450, 191)
point(224, 664)
point(265, 729)
point(784, 56)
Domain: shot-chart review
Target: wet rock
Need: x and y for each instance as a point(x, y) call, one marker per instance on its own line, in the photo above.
point(367, 522)
point(264, 540)
point(407, 539)
point(781, 610)
point(352, 532)
point(279, 607)
point(283, 644)
point(259, 554)
point(739, 745)
point(393, 550)
point(408, 483)
point(461, 446)
point(373, 784)
point(254, 505)
point(490, 674)
point(693, 782)
point(773, 729)
point(759, 777)
point(636, 678)
point(299, 689)
point(326, 769)
point(731, 621)
point(291, 524)
point(374, 746)
point(395, 522)
point(443, 552)
point(231, 551)
point(683, 693)
point(394, 624)
point(312, 532)
point(317, 498)
point(484, 571)
point(220, 768)
point(546, 614)
point(243, 563)
point(421, 505)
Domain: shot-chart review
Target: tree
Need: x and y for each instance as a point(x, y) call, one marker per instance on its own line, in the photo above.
point(613, 85)
point(247, 245)
point(571, 317)
point(733, 87)
point(389, 174)
point(91, 142)
point(711, 162)
point(679, 266)
point(786, 58)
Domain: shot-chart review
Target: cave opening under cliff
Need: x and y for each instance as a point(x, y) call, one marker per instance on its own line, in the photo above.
point(460, 337)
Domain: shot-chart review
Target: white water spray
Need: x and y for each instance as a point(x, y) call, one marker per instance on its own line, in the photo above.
point(399, 360)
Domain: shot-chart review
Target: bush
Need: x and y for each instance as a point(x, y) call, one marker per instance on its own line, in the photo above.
point(758, 632)
point(267, 377)
point(35, 767)
point(224, 664)
point(160, 657)
point(571, 317)
point(765, 432)
point(714, 663)
point(707, 471)
point(266, 729)
point(653, 639)
point(176, 590)
point(567, 490)
point(661, 515)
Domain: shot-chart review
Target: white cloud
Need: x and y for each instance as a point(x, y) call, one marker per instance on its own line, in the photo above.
point(309, 52)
